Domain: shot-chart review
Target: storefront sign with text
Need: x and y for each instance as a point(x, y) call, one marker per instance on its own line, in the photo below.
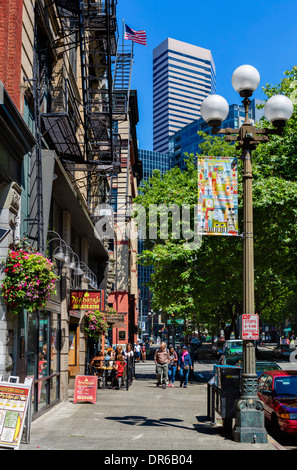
point(87, 300)
point(85, 388)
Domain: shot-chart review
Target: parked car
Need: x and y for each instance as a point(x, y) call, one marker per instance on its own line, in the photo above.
point(196, 343)
point(278, 391)
point(231, 360)
point(262, 366)
point(282, 351)
point(233, 346)
point(217, 347)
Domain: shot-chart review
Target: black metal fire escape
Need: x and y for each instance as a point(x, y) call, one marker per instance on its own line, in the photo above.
point(106, 67)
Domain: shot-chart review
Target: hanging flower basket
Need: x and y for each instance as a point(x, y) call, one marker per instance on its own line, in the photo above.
point(29, 280)
point(95, 324)
point(111, 311)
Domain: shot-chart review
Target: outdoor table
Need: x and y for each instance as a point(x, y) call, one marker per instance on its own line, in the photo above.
point(103, 369)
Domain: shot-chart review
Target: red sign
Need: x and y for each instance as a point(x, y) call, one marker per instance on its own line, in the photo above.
point(85, 388)
point(250, 327)
point(87, 300)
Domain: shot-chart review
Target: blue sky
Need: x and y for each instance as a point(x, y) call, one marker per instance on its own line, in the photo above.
point(260, 33)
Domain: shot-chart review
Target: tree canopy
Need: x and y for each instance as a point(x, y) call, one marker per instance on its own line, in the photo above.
point(204, 284)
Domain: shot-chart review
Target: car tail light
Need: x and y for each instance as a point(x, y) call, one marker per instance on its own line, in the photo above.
point(288, 415)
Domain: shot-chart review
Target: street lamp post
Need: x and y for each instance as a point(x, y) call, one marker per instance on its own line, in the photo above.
point(249, 415)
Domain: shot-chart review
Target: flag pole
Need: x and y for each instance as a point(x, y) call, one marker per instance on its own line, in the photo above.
point(123, 39)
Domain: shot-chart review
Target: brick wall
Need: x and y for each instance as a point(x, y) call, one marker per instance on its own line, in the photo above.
point(11, 47)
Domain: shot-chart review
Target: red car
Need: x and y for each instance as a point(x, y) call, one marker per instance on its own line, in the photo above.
point(277, 389)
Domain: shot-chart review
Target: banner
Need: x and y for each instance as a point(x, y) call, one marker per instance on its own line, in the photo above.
point(217, 196)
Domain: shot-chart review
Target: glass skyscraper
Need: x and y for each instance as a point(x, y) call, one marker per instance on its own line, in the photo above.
point(186, 140)
point(150, 161)
point(183, 75)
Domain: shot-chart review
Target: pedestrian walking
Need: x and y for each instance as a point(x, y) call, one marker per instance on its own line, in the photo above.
point(172, 366)
point(137, 352)
point(184, 365)
point(162, 360)
point(143, 352)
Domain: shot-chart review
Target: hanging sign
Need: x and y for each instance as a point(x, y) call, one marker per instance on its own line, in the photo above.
point(87, 300)
point(15, 406)
point(85, 388)
point(250, 327)
point(217, 196)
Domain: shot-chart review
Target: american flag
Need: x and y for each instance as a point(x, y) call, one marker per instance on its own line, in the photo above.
point(135, 36)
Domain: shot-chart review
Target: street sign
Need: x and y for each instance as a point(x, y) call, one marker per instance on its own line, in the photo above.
point(250, 327)
point(178, 321)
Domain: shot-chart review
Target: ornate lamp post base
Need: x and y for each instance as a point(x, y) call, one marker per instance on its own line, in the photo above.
point(249, 411)
point(249, 421)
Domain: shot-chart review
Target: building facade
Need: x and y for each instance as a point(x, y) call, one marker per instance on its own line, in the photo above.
point(63, 143)
point(150, 161)
point(124, 295)
point(183, 75)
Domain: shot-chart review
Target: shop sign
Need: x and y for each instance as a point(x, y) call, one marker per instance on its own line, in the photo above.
point(85, 388)
point(250, 327)
point(87, 300)
point(15, 409)
point(115, 318)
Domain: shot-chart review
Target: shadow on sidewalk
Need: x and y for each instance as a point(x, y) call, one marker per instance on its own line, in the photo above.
point(145, 421)
point(202, 427)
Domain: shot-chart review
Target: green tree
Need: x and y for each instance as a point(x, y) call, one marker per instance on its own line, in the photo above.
point(205, 285)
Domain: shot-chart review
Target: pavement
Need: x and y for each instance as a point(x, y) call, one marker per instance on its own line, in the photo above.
point(144, 418)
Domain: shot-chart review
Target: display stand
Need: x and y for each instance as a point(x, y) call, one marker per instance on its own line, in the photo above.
point(15, 411)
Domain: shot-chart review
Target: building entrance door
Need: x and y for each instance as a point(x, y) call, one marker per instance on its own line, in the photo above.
point(73, 355)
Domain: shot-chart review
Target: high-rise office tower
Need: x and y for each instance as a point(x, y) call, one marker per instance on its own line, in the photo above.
point(187, 141)
point(183, 75)
point(150, 161)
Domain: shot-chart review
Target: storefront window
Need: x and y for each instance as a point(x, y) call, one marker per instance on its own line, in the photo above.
point(44, 357)
point(32, 341)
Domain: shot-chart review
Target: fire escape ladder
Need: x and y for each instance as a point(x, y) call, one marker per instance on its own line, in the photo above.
point(122, 81)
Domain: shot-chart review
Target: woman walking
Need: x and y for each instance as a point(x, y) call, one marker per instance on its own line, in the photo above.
point(172, 366)
point(184, 365)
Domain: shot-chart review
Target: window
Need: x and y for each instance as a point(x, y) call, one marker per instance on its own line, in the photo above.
point(43, 357)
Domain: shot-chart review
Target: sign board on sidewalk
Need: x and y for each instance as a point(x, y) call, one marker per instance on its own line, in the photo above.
point(250, 327)
point(85, 388)
point(15, 411)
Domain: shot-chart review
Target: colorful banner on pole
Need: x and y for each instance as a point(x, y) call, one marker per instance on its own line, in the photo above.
point(217, 196)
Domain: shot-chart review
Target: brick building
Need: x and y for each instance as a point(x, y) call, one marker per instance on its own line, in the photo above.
point(61, 154)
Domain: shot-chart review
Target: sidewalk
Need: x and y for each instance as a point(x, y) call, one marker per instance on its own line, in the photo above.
point(143, 418)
